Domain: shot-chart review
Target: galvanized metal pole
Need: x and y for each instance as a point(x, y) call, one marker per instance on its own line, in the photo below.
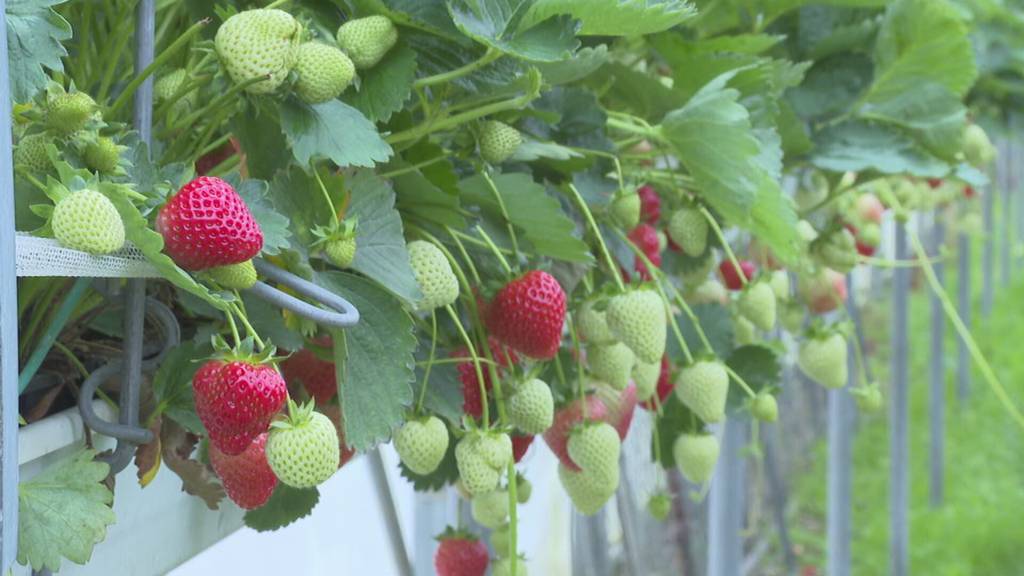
point(937, 373)
point(8, 327)
point(839, 465)
point(899, 491)
point(988, 252)
point(963, 278)
point(725, 515)
point(387, 506)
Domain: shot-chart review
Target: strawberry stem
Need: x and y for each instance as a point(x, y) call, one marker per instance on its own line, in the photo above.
point(465, 255)
point(693, 318)
point(489, 56)
point(155, 65)
point(430, 361)
point(504, 213)
point(453, 360)
point(601, 153)
point(580, 389)
point(581, 205)
point(494, 248)
point(234, 328)
point(725, 244)
point(237, 307)
point(513, 520)
point(228, 97)
point(327, 197)
point(476, 364)
point(275, 4)
point(743, 384)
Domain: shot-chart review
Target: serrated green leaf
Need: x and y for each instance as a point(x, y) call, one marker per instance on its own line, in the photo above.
point(443, 395)
point(151, 244)
point(258, 129)
point(34, 35)
point(269, 323)
point(286, 505)
point(64, 512)
point(538, 216)
point(531, 150)
point(332, 130)
point(296, 194)
point(716, 322)
point(375, 384)
point(584, 62)
point(617, 17)
point(273, 224)
point(418, 197)
point(758, 366)
point(858, 146)
point(931, 114)
point(429, 15)
point(172, 385)
point(380, 242)
point(384, 88)
point(640, 93)
point(499, 24)
point(832, 86)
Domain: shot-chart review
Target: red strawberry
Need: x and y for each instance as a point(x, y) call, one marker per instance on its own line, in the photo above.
point(664, 385)
point(236, 401)
point(528, 315)
point(731, 276)
point(460, 554)
point(645, 237)
point(650, 204)
point(520, 444)
point(557, 437)
point(314, 373)
point(621, 407)
point(333, 412)
point(969, 192)
point(935, 182)
point(471, 401)
point(207, 224)
point(247, 477)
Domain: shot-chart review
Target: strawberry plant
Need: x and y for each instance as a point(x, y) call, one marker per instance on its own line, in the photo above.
point(544, 212)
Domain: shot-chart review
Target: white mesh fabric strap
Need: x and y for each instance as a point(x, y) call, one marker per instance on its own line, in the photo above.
point(46, 257)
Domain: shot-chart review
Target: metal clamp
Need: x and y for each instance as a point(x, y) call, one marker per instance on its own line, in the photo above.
point(344, 314)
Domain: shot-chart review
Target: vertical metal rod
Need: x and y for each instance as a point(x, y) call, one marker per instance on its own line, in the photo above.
point(725, 515)
point(839, 465)
point(8, 326)
point(625, 501)
point(898, 443)
point(988, 253)
point(963, 358)
point(937, 373)
point(387, 506)
point(1005, 236)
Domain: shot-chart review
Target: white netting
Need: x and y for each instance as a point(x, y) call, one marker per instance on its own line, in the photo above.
point(46, 257)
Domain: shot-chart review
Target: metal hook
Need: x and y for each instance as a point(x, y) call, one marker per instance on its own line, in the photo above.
point(345, 313)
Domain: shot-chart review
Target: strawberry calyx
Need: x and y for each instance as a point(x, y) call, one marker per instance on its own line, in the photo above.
point(453, 533)
point(244, 351)
point(297, 415)
point(339, 230)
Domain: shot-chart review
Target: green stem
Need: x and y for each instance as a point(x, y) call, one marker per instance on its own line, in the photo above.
point(234, 328)
point(476, 364)
point(490, 56)
point(276, 4)
point(581, 205)
point(411, 168)
point(678, 298)
point(248, 327)
point(580, 389)
point(465, 255)
point(513, 517)
point(225, 99)
point(739, 380)
point(494, 248)
point(504, 212)
point(430, 361)
point(327, 197)
point(631, 128)
point(725, 244)
point(157, 62)
point(187, 87)
point(454, 360)
point(422, 130)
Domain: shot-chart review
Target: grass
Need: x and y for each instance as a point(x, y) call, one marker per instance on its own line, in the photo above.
point(980, 528)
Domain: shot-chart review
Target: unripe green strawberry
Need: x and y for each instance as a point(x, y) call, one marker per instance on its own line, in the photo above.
point(870, 235)
point(625, 210)
point(88, 221)
point(523, 489)
point(757, 304)
point(434, 274)
point(978, 149)
point(67, 113)
point(499, 540)
point(498, 141)
point(765, 408)
point(792, 317)
point(806, 231)
point(503, 567)
point(593, 324)
point(645, 376)
point(837, 251)
point(341, 251)
point(258, 43)
point(824, 360)
point(421, 444)
point(659, 505)
point(302, 449)
point(589, 490)
point(490, 509)
point(698, 273)
point(595, 447)
point(612, 363)
point(810, 195)
point(481, 458)
point(367, 40)
point(531, 408)
point(868, 398)
point(324, 72)
point(696, 456)
point(689, 229)
point(703, 387)
point(168, 85)
point(780, 285)
point(743, 331)
point(102, 155)
point(638, 320)
point(710, 291)
point(30, 153)
point(234, 276)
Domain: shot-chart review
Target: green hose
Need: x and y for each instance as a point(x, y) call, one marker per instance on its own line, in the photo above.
point(67, 307)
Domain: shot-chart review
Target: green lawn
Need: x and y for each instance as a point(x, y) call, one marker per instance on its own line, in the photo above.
point(980, 529)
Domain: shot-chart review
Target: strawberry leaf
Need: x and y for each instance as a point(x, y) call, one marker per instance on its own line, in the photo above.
point(500, 25)
point(617, 17)
point(714, 319)
point(273, 224)
point(64, 512)
point(384, 88)
point(286, 505)
point(373, 360)
point(675, 419)
point(172, 385)
point(332, 130)
point(34, 35)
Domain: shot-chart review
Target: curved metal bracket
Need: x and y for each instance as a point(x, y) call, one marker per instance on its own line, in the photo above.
point(344, 314)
